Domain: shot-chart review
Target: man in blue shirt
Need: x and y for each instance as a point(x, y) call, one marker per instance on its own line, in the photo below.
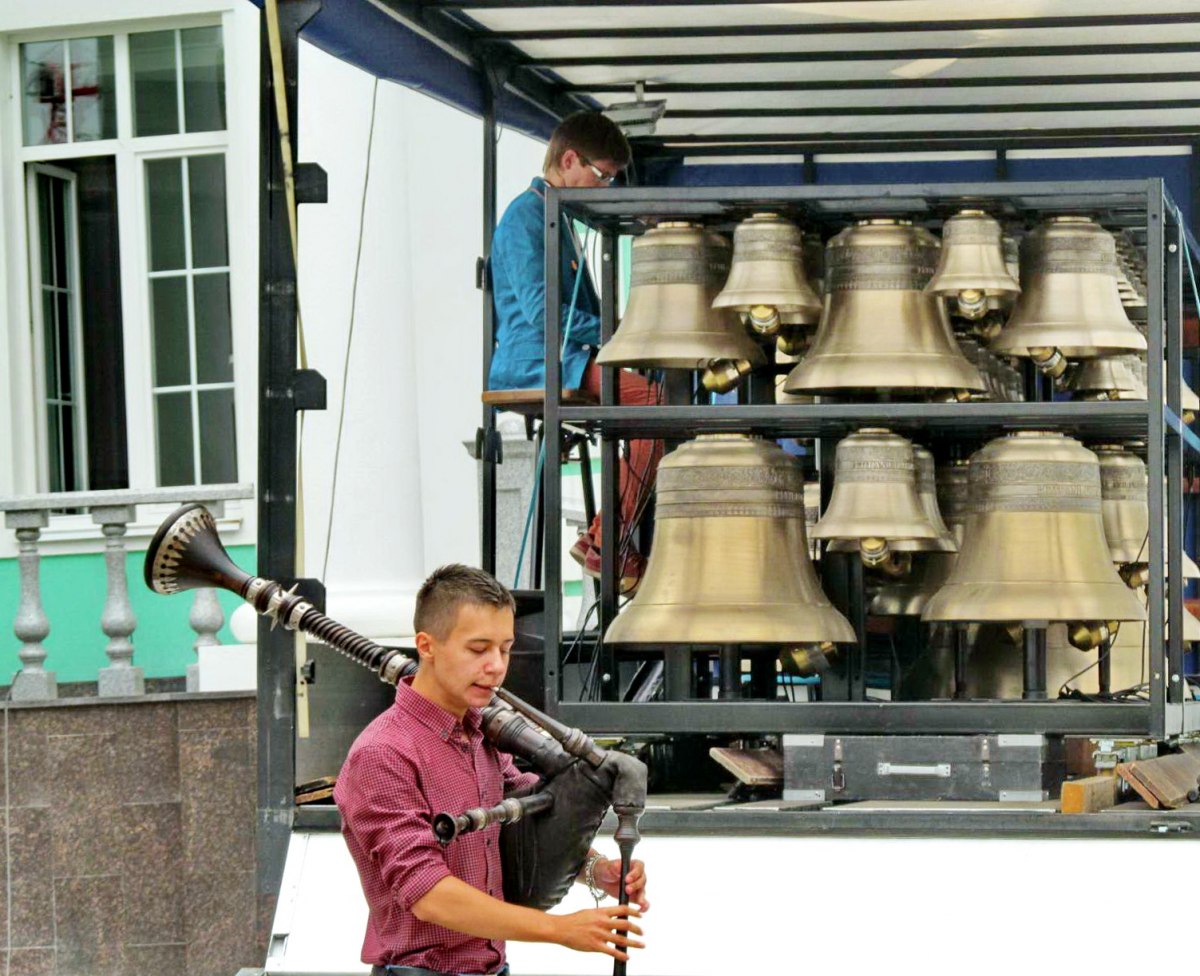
point(586, 150)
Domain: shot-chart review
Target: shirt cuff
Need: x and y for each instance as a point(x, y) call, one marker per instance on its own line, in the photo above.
point(419, 884)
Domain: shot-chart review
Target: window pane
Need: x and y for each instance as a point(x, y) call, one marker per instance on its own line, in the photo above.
point(65, 351)
point(218, 441)
point(155, 96)
point(50, 342)
point(203, 79)
point(43, 83)
point(164, 188)
point(93, 89)
point(175, 462)
point(206, 195)
point(54, 447)
point(70, 477)
point(172, 356)
point(214, 339)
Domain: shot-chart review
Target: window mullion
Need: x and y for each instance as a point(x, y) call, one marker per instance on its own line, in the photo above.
point(123, 85)
point(68, 88)
point(179, 82)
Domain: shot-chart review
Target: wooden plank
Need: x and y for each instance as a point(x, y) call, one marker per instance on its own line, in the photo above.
point(1126, 772)
point(1175, 779)
point(1089, 794)
point(754, 767)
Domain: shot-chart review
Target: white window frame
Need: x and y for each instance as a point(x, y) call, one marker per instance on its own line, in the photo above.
point(239, 143)
point(42, 395)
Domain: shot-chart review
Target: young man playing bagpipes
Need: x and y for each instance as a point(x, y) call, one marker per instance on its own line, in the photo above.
point(437, 909)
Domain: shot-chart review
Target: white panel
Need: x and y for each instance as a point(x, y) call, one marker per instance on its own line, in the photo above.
point(965, 124)
point(723, 905)
point(635, 15)
point(1035, 68)
point(583, 46)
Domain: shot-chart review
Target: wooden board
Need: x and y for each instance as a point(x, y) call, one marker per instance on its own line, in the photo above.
point(1165, 781)
point(754, 767)
point(533, 401)
point(1089, 794)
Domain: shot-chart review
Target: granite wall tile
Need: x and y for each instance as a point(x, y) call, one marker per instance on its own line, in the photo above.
point(87, 920)
point(148, 753)
point(29, 780)
point(165, 959)
point(151, 864)
point(31, 962)
point(86, 719)
point(223, 713)
point(219, 913)
point(29, 837)
point(86, 827)
point(31, 907)
point(219, 770)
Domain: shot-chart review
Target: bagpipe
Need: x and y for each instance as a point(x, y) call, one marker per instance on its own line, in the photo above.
point(546, 834)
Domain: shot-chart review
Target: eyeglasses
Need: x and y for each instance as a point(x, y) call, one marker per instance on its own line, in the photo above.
point(598, 172)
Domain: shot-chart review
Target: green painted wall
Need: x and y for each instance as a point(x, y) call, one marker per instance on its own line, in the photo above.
point(73, 592)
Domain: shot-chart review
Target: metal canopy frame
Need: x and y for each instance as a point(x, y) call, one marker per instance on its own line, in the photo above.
point(504, 65)
point(1139, 204)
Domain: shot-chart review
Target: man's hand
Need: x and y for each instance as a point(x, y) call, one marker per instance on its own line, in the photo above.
point(608, 878)
point(600, 930)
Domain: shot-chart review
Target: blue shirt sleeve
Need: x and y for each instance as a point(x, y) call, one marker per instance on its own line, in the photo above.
point(524, 264)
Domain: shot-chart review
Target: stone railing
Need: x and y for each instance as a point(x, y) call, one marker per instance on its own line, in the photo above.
point(113, 511)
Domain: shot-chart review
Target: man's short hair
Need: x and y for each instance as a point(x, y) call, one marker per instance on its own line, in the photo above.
point(593, 136)
point(447, 589)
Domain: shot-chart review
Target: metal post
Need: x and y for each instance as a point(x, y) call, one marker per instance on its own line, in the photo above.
point(610, 496)
point(961, 651)
point(487, 534)
point(1155, 247)
point(1035, 662)
point(1173, 446)
point(731, 673)
point(1104, 668)
point(282, 391)
point(677, 672)
point(552, 468)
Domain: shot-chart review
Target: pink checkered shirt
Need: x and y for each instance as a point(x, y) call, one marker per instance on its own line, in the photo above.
point(412, 762)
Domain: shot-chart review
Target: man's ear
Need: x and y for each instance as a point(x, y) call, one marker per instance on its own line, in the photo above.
point(424, 645)
point(563, 163)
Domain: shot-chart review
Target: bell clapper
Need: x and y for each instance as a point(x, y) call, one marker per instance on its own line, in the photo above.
point(1087, 635)
point(1049, 360)
point(723, 375)
point(1135, 575)
point(877, 554)
point(972, 304)
point(805, 660)
point(764, 320)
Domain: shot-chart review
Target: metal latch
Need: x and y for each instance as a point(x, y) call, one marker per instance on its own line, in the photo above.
point(941, 770)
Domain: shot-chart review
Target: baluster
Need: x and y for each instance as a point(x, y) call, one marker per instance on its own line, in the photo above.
point(33, 682)
point(206, 619)
point(117, 621)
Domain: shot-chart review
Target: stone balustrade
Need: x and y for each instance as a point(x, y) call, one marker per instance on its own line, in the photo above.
point(113, 511)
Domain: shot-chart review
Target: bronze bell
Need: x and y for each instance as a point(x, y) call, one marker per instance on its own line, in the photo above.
point(1033, 546)
point(766, 281)
point(972, 269)
point(1105, 378)
point(907, 597)
point(669, 321)
point(875, 507)
point(729, 564)
point(880, 331)
point(1124, 510)
point(1069, 308)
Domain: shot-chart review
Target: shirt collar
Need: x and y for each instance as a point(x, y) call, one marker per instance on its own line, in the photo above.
point(415, 705)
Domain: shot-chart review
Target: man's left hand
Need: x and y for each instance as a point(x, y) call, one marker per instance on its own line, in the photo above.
point(608, 878)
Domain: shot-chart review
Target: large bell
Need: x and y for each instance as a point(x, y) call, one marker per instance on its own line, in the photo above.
point(1033, 546)
point(1069, 307)
point(880, 331)
point(875, 506)
point(907, 597)
point(766, 284)
point(730, 562)
point(972, 268)
point(669, 321)
point(1123, 504)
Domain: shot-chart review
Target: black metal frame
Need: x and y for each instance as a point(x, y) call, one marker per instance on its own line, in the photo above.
point(1138, 204)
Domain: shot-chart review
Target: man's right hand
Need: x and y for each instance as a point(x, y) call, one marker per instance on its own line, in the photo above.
point(603, 929)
